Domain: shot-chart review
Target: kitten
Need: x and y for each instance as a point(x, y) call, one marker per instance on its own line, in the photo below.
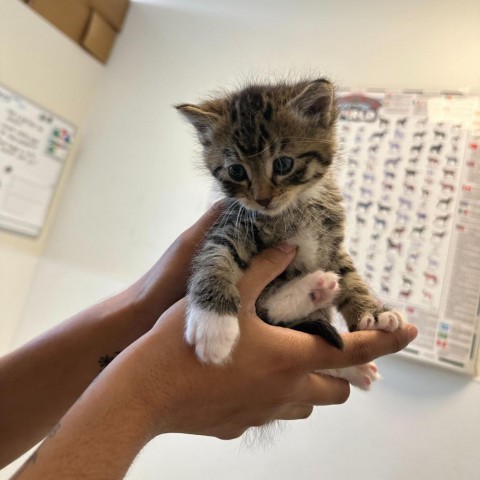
point(271, 149)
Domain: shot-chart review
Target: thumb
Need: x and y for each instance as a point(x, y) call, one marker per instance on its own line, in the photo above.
point(264, 267)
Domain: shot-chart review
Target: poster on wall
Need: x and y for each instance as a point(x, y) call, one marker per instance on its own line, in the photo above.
point(409, 166)
point(34, 144)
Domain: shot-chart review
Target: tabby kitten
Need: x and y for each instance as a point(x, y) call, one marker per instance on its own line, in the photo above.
point(271, 148)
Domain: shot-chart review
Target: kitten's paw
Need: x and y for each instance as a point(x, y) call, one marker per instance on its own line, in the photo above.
point(324, 288)
point(386, 321)
point(213, 335)
point(360, 376)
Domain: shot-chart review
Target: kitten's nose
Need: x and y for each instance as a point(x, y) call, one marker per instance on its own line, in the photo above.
point(264, 202)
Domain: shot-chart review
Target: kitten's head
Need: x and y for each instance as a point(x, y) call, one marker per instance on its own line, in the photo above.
point(268, 144)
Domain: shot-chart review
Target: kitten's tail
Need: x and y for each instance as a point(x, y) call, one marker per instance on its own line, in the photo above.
point(323, 329)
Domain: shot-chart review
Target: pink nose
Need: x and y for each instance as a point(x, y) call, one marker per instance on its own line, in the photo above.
point(264, 202)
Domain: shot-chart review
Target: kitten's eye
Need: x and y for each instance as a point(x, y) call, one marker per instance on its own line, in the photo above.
point(237, 172)
point(282, 165)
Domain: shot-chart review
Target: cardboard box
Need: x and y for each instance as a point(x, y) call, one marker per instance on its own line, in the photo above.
point(113, 11)
point(69, 16)
point(93, 24)
point(99, 38)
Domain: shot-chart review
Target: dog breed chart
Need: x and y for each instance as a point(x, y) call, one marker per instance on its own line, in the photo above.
point(34, 145)
point(410, 174)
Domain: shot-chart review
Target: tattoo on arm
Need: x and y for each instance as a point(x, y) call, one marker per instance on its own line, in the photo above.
point(31, 460)
point(54, 430)
point(103, 361)
point(33, 457)
point(106, 359)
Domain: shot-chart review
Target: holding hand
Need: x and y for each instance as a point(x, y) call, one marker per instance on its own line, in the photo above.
point(157, 385)
point(269, 376)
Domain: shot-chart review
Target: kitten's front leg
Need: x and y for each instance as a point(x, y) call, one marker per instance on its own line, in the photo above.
point(358, 306)
point(213, 299)
point(213, 334)
point(361, 312)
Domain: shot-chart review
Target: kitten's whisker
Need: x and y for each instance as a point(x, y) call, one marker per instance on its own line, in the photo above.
point(237, 231)
point(226, 215)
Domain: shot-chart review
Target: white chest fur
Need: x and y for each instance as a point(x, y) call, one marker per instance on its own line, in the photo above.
point(307, 253)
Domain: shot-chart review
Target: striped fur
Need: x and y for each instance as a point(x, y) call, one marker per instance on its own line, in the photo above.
point(253, 128)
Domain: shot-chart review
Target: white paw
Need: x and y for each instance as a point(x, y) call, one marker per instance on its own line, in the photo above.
point(386, 321)
point(213, 335)
point(361, 376)
point(300, 297)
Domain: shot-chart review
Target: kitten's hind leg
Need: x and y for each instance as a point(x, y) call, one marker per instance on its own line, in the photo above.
point(361, 376)
point(319, 323)
point(300, 297)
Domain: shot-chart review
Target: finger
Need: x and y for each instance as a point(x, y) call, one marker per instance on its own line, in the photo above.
point(318, 389)
point(359, 348)
point(295, 412)
point(264, 267)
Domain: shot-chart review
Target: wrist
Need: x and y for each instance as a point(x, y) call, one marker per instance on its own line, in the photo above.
point(150, 393)
point(103, 431)
point(121, 389)
point(135, 302)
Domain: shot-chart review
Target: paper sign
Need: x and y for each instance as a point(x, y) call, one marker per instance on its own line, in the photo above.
point(34, 144)
point(410, 172)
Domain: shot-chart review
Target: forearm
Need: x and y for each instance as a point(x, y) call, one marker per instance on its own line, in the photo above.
point(157, 385)
point(100, 435)
point(41, 380)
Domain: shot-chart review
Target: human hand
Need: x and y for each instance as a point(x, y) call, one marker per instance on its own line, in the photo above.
point(269, 376)
point(157, 385)
point(46, 376)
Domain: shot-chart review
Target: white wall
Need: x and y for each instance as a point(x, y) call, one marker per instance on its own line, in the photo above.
point(134, 188)
point(48, 68)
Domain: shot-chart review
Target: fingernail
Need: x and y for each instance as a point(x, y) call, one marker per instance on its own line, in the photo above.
point(287, 248)
point(412, 332)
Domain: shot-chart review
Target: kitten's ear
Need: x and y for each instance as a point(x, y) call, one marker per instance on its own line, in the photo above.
point(202, 118)
point(317, 102)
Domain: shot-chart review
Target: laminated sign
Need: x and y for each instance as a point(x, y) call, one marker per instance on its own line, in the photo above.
point(34, 144)
point(409, 166)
